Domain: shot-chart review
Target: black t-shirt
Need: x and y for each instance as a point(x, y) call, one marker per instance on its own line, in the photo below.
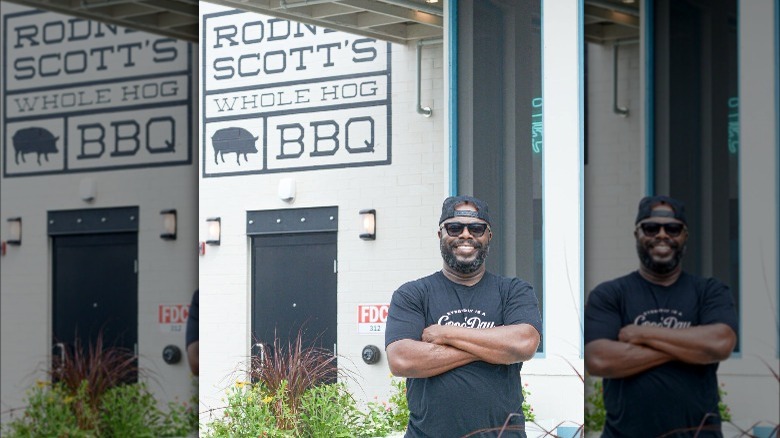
point(478, 395)
point(191, 335)
point(674, 395)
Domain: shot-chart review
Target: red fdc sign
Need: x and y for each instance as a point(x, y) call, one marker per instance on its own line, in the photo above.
point(173, 313)
point(372, 313)
point(372, 318)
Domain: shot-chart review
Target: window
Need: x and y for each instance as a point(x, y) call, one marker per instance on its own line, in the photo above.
point(696, 127)
point(500, 129)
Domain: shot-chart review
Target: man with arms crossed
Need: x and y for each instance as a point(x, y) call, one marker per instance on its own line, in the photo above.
point(460, 335)
point(656, 335)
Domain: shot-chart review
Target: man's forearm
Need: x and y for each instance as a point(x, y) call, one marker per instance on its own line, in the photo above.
point(697, 345)
point(615, 359)
point(496, 345)
point(192, 357)
point(416, 359)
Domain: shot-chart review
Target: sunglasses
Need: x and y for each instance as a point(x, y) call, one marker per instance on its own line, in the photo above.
point(454, 229)
point(651, 229)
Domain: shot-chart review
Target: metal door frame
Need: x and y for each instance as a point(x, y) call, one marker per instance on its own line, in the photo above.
point(61, 223)
point(286, 222)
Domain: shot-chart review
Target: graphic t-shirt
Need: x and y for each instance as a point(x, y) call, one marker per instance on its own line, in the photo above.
point(675, 395)
point(478, 395)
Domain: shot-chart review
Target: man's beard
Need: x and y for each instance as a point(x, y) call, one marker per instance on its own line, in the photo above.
point(447, 253)
point(660, 267)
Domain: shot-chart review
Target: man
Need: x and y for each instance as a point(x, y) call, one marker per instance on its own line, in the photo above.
point(191, 335)
point(656, 335)
point(460, 335)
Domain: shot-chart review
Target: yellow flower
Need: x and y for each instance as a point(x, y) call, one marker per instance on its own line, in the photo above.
point(249, 399)
point(241, 383)
point(69, 399)
point(267, 399)
point(41, 383)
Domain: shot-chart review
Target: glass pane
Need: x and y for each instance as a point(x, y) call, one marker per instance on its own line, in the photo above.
point(500, 136)
point(697, 129)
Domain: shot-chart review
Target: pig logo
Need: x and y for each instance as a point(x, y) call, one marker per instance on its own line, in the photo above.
point(34, 139)
point(237, 140)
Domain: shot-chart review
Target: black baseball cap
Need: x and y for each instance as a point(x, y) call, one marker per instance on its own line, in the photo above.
point(448, 208)
point(648, 202)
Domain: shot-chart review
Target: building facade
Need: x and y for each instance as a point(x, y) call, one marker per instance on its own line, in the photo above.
point(98, 141)
point(303, 128)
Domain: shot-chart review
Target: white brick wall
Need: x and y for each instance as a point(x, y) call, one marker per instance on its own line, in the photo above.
point(613, 174)
point(407, 196)
point(167, 271)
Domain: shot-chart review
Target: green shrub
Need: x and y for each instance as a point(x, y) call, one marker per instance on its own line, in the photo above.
point(122, 411)
point(595, 413)
point(102, 367)
point(376, 421)
point(48, 413)
point(528, 411)
point(294, 394)
point(129, 410)
point(399, 417)
point(288, 371)
point(723, 409)
point(249, 413)
point(329, 411)
point(182, 417)
point(324, 411)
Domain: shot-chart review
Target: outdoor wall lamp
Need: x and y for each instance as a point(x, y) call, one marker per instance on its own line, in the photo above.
point(169, 224)
point(14, 231)
point(214, 231)
point(368, 224)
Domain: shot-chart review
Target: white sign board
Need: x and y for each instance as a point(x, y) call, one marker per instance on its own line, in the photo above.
point(84, 96)
point(280, 96)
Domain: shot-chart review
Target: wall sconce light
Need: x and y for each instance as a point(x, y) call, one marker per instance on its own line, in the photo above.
point(87, 189)
point(169, 224)
point(214, 231)
point(287, 190)
point(368, 224)
point(14, 231)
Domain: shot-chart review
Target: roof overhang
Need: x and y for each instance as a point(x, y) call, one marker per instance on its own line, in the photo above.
point(398, 21)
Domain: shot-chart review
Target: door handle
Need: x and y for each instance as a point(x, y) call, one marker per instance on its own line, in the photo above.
point(261, 348)
point(61, 347)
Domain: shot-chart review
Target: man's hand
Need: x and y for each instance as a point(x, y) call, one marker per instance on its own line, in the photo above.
point(631, 334)
point(436, 334)
point(497, 345)
point(616, 359)
point(192, 357)
point(640, 348)
point(702, 344)
point(416, 359)
point(446, 347)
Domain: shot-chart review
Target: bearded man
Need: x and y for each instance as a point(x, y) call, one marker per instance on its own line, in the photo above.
point(657, 335)
point(460, 336)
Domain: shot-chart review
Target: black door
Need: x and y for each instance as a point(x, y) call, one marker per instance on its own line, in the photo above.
point(294, 288)
point(95, 289)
